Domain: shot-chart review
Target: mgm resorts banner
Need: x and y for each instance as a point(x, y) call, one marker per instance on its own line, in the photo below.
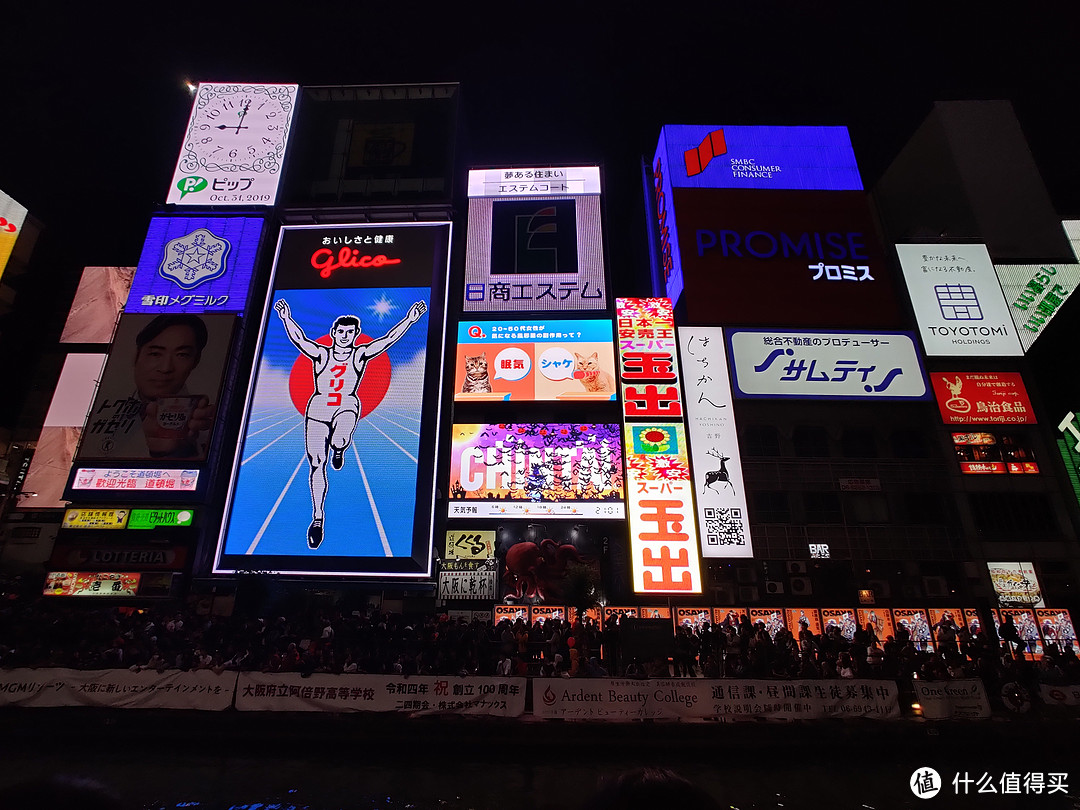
point(334, 471)
point(117, 689)
point(725, 700)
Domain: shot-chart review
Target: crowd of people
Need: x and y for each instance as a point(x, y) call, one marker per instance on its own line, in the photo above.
point(40, 632)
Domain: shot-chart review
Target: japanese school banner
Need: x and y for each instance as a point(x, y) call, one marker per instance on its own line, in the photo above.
point(963, 699)
point(290, 692)
point(726, 700)
point(117, 689)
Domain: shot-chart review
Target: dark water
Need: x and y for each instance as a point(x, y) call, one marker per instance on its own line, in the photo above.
point(530, 766)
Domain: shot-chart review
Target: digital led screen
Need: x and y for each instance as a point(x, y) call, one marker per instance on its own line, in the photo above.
point(12, 217)
point(648, 364)
point(795, 617)
point(534, 241)
point(74, 394)
point(196, 264)
point(234, 146)
point(880, 619)
point(793, 363)
point(958, 302)
point(561, 470)
point(99, 300)
point(96, 518)
point(1035, 294)
point(986, 398)
point(535, 360)
point(154, 518)
point(90, 583)
point(50, 467)
point(333, 474)
point(981, 453)
point(159, 391)
point(1015, 584)
point(714, 453)
point(161, 481)
point(469, 545)
point(1027, 627)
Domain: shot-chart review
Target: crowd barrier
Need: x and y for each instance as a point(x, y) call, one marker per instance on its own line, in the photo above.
point(595, 699)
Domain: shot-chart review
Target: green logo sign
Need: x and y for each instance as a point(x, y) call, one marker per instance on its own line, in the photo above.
point(190, 184)
point(152, 518)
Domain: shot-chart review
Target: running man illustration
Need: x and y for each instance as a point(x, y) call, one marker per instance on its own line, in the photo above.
point(334, 409)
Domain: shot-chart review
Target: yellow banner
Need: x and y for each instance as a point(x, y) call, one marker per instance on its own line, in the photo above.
point(96, 518)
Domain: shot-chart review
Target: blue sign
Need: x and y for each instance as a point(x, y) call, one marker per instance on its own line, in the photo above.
point(196, 264)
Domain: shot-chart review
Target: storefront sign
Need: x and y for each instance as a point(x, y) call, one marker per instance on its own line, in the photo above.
point(986, 398)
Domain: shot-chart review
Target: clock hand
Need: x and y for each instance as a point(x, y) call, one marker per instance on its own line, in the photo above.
point(230, 126)
point(243, 113)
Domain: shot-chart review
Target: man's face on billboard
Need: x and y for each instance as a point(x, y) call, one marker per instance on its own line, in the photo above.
point(163, 364)
point(344, 336)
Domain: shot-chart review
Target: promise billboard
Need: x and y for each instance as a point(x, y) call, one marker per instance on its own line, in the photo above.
point(333, 474)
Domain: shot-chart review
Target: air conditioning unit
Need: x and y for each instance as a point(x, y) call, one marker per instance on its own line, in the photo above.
point(880, 587)
point(746, 575)
point(935, 586)
point(796, 567)
point(801, 586)
point(748, 593)
point(773, 587)
point(724, 593)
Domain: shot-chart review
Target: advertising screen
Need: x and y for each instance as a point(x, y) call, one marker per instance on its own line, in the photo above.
point(534, 241)
point(159, 391)
point(1027, 627)
point(974, 622)
point(99, 300)
point(802, 258)
point(96, 518)
point(157, 480)
point(880, 619)
point(843, 618)
point(569, 361)
point(772, 618)
point(560, 470)
point(958, 301)
point(727, 615)
point(714, 451)
point(990, 398)
point(941, 617)
point(1036, 292)
point(1057, 627)
point(90, 583)
point(917, 624)
point(333, 473)
point(783, 363)
point(794, 617)
point(694, 617)
point(648, 364)
point(196, 264)
point(469, 545)
point(1015, 584)
point(511, 613)
point(12, 217)
point(234, 147)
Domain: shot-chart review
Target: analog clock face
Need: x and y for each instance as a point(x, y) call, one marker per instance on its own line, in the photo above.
point(239, 128)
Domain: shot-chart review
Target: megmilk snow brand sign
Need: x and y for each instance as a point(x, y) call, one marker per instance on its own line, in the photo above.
point(958, 301)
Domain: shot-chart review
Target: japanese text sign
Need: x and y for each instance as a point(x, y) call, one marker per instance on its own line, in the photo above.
point(648, 364)
point(990, 398)
point(141, 480)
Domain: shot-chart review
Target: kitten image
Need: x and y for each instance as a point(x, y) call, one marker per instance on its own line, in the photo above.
point(595, 380)
point(477, 380)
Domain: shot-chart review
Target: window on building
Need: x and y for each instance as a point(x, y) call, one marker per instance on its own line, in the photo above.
point(768, 506)
point(866, 507)
point(859, 443)
point(909, 444)
point(823, 507)
point(922, 508)
point(761, 441)
point(811, 442)
point(1013, 515)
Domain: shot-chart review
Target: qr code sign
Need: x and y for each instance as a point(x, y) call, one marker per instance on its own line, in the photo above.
point(724, 527)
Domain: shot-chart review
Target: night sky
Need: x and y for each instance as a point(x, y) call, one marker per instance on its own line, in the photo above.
point(96, 102)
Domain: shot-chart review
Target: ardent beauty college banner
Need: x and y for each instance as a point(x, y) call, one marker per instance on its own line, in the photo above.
point(725, 700)
point(117, 689)
point(417, 694)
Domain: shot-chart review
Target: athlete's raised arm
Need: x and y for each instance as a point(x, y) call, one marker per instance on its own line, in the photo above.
point(380, 345)
point(296, 334)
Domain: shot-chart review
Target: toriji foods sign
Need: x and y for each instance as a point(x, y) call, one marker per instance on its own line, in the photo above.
point(659, 490)
point(991, 398)
point(334, 469)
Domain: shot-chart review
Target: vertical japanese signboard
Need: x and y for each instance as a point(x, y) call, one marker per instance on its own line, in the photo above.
point(334, 472)
point(957, 301)
point(718, 477)
point(534, 241)
point(663, 534)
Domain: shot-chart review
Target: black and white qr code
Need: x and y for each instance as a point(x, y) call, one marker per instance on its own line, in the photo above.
point(723, 527)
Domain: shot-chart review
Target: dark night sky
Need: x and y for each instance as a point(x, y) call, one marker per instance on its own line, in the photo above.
point(96, 106)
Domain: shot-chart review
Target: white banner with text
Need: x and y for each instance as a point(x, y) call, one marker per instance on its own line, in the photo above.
point(117, 689)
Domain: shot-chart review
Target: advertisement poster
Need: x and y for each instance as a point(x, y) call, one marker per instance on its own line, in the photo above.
point(196, 264)
point(1035, 293)
point(796, 616)
point(534, 241)
point(986, 398)
point(469, 545)
point(560, 470)
point(159, 391)
point(918, 627)
point(90, 583)
point(974, 621)
point(1027, 626)
point(771, 618)
point(1056, 627)
point(782, 363)
point(714, 452)
point(880, 620)
point(333, 472)
point(695, 617)
point(957, 301)
point(843, 618)
point(524, 361)
point(1015, 584)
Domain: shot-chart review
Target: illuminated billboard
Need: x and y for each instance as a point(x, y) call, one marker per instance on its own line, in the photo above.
point(1015, 584)
point(986, 398)
point(12, 217)
point(795, 363)
point(90, 583)
point(334, 473)
point(159, 391)
point(234, 147)
point(196, 264)
point(562, 470)
point(957, 300)
point(534, 241)
point(1035, 293)
point(648, 364)
point(534, 360)
point(918, 627)
point(1056, 627)
point(160, 481)
point(99, 300)
point(714, 452)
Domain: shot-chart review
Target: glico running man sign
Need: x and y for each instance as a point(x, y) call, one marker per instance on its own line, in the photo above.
point(328, 478)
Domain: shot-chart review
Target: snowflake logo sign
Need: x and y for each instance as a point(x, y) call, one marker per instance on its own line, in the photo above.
point(194, 259)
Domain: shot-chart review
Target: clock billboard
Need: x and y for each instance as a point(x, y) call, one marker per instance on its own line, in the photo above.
point(235, 145)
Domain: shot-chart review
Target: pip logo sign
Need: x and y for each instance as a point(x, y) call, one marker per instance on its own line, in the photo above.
point(697, 159)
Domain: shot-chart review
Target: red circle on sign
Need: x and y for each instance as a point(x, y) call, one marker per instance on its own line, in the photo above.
point(370, 392)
